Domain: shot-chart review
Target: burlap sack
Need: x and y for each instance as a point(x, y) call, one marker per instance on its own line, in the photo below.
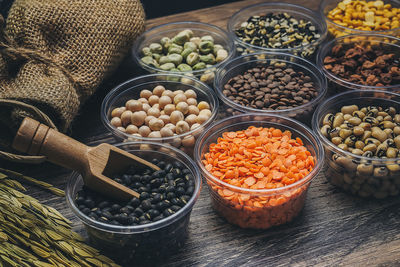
point(54, 54)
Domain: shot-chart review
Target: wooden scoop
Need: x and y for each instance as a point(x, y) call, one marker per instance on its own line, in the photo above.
point(93, 163)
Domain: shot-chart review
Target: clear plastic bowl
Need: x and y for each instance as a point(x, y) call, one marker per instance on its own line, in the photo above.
point(142, 242)
point(337, 84)
point(347, 170)
point(296, 11)
point(240, 64)
point(131, 90)
point(290, 198)
point(338, 30)
point(171, 29)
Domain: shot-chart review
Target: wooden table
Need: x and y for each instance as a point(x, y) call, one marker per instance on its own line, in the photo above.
point(333, 229)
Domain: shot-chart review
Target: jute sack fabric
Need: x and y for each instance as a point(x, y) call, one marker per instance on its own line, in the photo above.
point(53, 56)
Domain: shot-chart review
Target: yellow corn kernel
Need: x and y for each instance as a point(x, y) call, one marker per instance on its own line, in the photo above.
point(369, 17)
point(388, 14)
point(378, 4)
point(379, 13)
point(339, 17)
point(387, 6)
point(346, 2)
point(342, 6)
point(395, 24)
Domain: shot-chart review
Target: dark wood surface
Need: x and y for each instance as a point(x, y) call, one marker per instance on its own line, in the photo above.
point(334, 228)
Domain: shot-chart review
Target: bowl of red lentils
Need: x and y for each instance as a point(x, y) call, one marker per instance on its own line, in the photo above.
point(165, 108)
point(352, 17)
point(361, 62)
point(258, 168)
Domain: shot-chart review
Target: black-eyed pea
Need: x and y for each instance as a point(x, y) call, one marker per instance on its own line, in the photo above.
point(188, 141)
point(182, 107)
point(122, 129)
point(117, 112)
point(145, 94)
point(371, 120)
point(396, 118)
point(138, 118)
point(368, 154)
point(365, 169)
point(179, 98)
point(158, 90)
point(370, 147)
point(338, 120)
point(347, 178)
point(347, 116)
point(387, 118)
point(325, 130)
point(354, 121)
point(387, 124)
point(379, 118)
point(166, 132)
point(191, 102)
point(397, 141)
point(337, 140)
point(156, 124)
point(380, 172)
point(328, 119)
point(153, 112)
point(126, 117)
point(334, 132)
point(131, 129)
point(389, 133)
point(358, 114)
point(391, 152)
point(116, 122)
point(367, 134)
point(344, 133)
point(144, 131)
point(350, 141)
point(182, 127)
point(203, 105)
point(365, 125)
point(357, 151)
point(359, 145)
point(153, 100)
point(358, 131)
point(379, 134)
point(396, 130)
point(349, 109)
point(154, 134)
point(347, 164)
point(195, 126)
point(364, 110)
point(394, 168)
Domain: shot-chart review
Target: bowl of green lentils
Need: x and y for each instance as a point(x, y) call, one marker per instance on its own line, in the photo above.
point(189, 48)
point(277, 27)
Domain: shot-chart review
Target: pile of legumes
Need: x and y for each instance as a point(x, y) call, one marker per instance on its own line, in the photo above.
point(279, 30)
point(258, 158)
point(271, 87)
point(162, 193)
point(184, 52)
point(365, 15)
point(162, 113)
point(372, 132)
point(364, 64)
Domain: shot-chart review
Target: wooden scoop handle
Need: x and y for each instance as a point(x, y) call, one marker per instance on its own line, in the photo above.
point(35, 138)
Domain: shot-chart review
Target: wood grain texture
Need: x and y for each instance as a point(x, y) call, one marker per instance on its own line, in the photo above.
point(334, 228)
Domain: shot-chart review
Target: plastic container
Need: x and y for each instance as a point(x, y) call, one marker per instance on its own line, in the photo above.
point(143, 242)
point(337, 30)
point(131, 90)
point(291, 197)
point(171, 29)
point(347, 170)
point(337, 84)
point(240, 64)
point(296, 11)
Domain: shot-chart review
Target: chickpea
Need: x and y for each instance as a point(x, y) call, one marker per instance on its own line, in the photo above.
point(144, 131)
point(193, 110)
point(176, 142)
point(147, 120)
point(191, 102)
point(126, 117)
point(131, 129)
point(145, 107)
point(134, 105)
point(195, 126)
point(191, 119)
point(177, 92)
point(146, 94)
point(156, 124)
point(153, 112)
point(182, 127)
point(203, 105)
point(168, 109)
point(164, 118)
point(166, 132)
point(171, 126)
point(164, 100)
point(153, 100)
point(179, 98)
point(190, 93)
point(122, 129)
point(162, 112)
point(138, 118)
point(116, 122)
point(205, 112)
point(143, 100)
point(157, 106)
point(188, 141)
point(168, 93)
point(158, 90)
point(201, 118)
point(182, 107)
point(155, 134)
point(176, 116)
point(117, 112)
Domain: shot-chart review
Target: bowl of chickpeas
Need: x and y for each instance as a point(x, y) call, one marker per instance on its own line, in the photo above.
point(166, 108)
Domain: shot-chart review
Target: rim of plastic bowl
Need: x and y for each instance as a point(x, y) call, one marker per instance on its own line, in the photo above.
point(112, 95)
point(332, 147)
point(319, 151)
point(317, 20)
point(137, 228)
point(136, 46)
point(323, 52)
point(348, 30)
point(317, 72)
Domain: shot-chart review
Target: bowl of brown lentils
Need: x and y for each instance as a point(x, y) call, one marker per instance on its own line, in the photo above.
point(361, 62)
point(165, 108)
point(270, 83)
point(277, 27)
point(360, 131)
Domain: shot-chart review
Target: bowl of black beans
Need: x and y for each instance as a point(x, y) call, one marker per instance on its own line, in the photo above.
point(277, 27)
point(149, 227)
point(270, 83)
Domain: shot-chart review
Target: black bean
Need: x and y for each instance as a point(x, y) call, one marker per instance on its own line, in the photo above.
point(89, 203)
point(161, 164)
point(170, 195)
point(86, 211)
point(127, 179)
point(153, 213)
point(134, 202)
point(168, 212)
point(80, 200)
point(180, 191)
point(115, 207)
point(159, 217)
point(138, 212)
point(168, 167)
point(175, 208)
point(144, 195)
point(103, 204)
